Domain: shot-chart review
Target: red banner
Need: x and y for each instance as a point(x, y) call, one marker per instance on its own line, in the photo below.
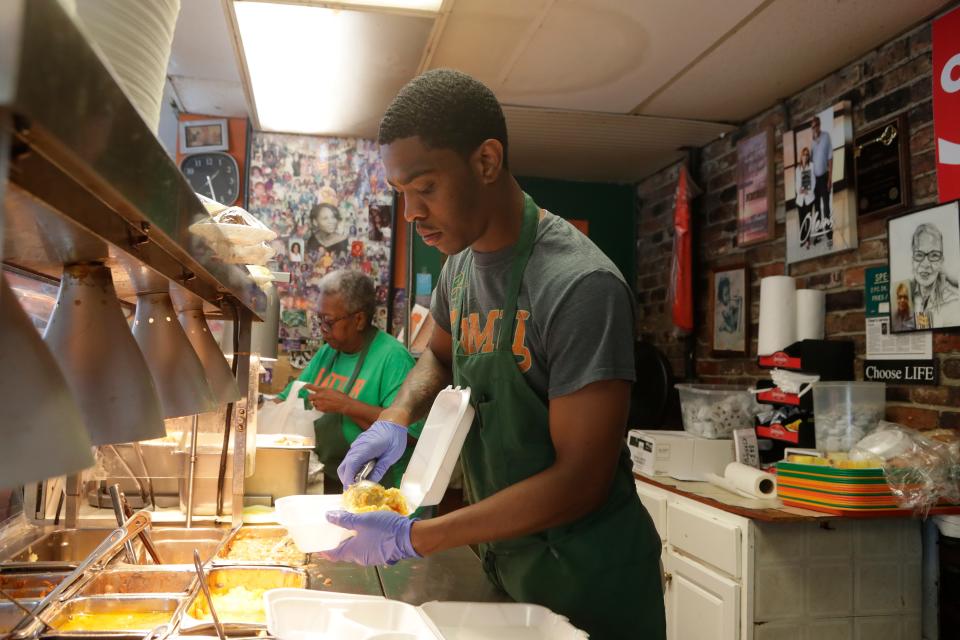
point(946, 103)
point(681, 278)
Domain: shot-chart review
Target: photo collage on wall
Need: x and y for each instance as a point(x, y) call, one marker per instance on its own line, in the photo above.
point(329, 202)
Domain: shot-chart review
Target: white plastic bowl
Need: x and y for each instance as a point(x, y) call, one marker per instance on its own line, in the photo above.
point(305, 517)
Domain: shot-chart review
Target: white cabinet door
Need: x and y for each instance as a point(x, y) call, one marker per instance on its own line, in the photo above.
point(655, 502)
point(702, 604)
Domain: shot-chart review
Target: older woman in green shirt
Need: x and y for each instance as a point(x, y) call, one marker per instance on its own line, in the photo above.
point(356, 373)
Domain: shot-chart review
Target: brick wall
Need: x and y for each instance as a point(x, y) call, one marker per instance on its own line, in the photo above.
point(893, 79)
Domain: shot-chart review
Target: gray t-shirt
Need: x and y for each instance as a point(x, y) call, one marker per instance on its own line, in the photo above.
point(575, 314)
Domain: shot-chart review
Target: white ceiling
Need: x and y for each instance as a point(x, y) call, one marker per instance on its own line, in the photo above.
point(577, 74)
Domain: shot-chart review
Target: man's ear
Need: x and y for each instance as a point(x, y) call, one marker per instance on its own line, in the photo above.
point(487, 160)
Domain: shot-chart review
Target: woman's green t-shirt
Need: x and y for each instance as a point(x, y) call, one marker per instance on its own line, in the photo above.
point(383, 372)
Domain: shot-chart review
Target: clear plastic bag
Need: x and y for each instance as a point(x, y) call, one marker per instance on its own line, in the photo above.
point(235, 226)
point(255, 254)
point(922, 468)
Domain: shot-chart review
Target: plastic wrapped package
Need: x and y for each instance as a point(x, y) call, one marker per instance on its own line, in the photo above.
point(233, 225)
point(921, 468)
point(255, 254)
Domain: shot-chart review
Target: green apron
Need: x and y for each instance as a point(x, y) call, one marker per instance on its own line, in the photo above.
point(331, 445)
point(602, 571)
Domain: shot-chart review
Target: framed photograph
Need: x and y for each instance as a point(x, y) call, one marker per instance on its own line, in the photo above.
point(204, 135)
point(924, 250)
point(818, 185)
point(755, 204)
point(730, 311)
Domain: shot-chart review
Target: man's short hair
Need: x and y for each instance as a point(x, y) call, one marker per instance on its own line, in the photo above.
point(815, 120)
point(446, 109)
point(355, 288)
point(926, 229)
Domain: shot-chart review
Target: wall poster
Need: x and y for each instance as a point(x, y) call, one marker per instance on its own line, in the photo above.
point(755, 203)
point(946, 103)
point(818, 185)
point(329, 201)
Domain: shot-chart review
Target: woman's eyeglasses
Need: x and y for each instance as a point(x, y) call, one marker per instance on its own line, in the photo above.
point(326, 324)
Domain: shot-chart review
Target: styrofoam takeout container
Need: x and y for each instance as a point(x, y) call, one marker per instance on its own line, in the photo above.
point(300, 614)
point(423, 484)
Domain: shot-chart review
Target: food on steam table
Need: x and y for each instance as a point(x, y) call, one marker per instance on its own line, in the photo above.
point(365, 497)
point(267, 549)
point(236, 604)
point(237, 592)
point(114, 621)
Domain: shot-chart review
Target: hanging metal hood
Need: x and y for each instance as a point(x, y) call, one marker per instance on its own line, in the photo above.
point(177, 371)
point(100, 359)
point(190, 313)
point(39, 412)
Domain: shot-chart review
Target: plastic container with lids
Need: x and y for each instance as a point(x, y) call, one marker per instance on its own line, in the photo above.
point(423, 484)
point(300, 614)
point(716, 410)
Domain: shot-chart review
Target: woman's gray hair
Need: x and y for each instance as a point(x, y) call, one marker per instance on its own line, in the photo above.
point(354, 287)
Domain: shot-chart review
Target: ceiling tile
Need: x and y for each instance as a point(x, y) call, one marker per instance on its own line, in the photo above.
point(210, 97)
point(786, 47)
point(594, 146)
point(202, 47)
point(480, 36)
point(610, 55)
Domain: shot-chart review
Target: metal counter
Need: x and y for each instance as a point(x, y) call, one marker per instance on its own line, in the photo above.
point(455, 574)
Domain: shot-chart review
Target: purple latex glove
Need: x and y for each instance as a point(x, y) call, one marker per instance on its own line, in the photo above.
point(384, 442)
point(383, 537)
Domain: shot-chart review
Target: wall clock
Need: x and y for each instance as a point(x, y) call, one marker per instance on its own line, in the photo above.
point(214, 175)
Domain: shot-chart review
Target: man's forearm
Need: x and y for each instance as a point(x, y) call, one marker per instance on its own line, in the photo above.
point(547, 499)
point(423, 383)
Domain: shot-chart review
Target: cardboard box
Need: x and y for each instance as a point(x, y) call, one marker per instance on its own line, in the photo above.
point(678, 454)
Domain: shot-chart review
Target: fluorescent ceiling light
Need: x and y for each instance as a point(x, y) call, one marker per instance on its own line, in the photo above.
point(327, 71)
point(415, 5)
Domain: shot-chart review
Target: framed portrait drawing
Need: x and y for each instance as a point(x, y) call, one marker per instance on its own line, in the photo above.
point(755, 204)
point(729, 310)
point(924, 250)
point(819, 194)
point(197, 136)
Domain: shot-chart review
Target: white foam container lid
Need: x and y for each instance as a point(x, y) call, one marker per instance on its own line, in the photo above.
point(423, 484)
point(438, 448)
point(300, 614)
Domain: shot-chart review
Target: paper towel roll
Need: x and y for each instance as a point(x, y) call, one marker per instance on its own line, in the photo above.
point(811, 307)
point(750, 481)
point(778, 316)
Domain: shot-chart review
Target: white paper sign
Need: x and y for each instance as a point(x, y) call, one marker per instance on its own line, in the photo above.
point(882, 344)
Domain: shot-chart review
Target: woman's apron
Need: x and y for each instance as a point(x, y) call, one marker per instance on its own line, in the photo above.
point(331, 445)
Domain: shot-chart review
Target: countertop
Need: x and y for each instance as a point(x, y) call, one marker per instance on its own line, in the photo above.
point(708, 494)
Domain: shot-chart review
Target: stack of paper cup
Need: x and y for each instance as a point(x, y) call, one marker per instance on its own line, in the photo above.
point(778, 314)
point(811, 305)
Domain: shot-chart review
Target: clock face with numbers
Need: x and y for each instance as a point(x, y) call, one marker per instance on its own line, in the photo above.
point(214, 175)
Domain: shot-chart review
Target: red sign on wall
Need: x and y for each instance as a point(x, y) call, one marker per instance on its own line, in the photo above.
point(946, 103)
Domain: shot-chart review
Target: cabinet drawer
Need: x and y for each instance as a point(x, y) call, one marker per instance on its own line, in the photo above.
point(703, 535)
point(655, 502)
point(701, 603)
